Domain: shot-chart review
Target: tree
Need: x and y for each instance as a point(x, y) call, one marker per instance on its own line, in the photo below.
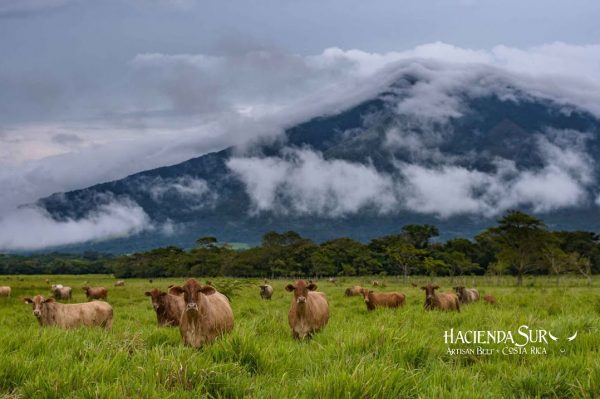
point(582, 265)
point(556, 260)
point(406, 256)
point(434, 267)
point(419, 234)
point(519, 239)
point(208, 242)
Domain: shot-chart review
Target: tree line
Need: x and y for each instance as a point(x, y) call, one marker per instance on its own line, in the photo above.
point(518, 244)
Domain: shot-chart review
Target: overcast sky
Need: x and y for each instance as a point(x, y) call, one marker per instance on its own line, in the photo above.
point(92, 91)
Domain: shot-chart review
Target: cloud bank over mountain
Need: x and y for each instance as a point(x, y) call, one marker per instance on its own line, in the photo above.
point(179, 106)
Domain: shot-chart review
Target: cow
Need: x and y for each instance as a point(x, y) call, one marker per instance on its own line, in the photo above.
point(168, 308)
point(266, 291)
point(5, 291)
point(442, 301)
point(383, 299)
point(206, 316)
point(48, 312)
point(488, 298)
point(353, 291)
point(120, 283)
point(95, 293)
point(59, 291)
point(332, 280)
point(466, 295)
point(309, 311)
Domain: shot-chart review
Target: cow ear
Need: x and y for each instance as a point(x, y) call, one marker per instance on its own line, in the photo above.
point(147, 293)
point(27, 300)
point(49, 300)
point(207, 290)
point(423, 288)
point(435, 287)
point(312, 287)
point(290, 287)
point(370, 291)
point(176, 289)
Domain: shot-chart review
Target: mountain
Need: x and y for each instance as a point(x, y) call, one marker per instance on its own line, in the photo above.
point(456, 160)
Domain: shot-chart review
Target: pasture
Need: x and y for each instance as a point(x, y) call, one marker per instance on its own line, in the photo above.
point(386, 353)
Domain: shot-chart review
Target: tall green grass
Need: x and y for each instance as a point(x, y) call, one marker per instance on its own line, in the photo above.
point(381, 354)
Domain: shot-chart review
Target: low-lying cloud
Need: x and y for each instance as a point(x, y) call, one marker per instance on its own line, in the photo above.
point(303, 182)
point(30, 228)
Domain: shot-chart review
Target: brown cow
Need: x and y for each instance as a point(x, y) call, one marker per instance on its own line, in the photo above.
point(266, 291)
point(61, 292)
point(51, 313)
point(120, 283)
point(353, 291)
point(309, 311)
point(207, 313)
point(168, 308)
point(5, 291)
point(383, 299)
point(466, 295)
point(443, 301)
point(489, 299)
point(95, 293)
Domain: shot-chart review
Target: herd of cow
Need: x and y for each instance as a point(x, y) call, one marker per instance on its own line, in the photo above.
point(202, 313)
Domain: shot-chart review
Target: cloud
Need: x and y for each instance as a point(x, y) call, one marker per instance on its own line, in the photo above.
point(194, 191)
point(31, 228)
point(303, 182)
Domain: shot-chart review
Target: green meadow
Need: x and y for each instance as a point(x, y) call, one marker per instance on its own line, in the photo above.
point(387, 353)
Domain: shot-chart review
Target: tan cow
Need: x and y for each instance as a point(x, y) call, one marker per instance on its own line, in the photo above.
point(383, 299)
point(353, 291)
point(266, 291)
point(466, 295)
point(61, 292)
point(51, 313)
point(95, 293)
point(443, 301)
point(207, 313)
point(5, 291)
point(120, 283)
point(168, 308)
point(309, 311)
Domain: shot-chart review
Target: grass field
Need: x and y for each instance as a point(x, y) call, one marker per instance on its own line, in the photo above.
point(381, 354)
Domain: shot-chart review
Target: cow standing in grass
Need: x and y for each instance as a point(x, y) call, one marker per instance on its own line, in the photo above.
point(488, 298)
point(207, 313)
point(5, 291)
point(442, 301)
point(61, 292)
point(466, 295)
point(353, 291)
point(48, 312)
point(120, 283)
point(168, 307)
point(266, 291)
point(95, 293)
point(309, 311)
point(383, 299)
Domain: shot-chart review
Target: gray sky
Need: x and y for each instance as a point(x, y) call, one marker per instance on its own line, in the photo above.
point(92, 91)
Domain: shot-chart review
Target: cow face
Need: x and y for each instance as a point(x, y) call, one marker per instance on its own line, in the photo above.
point(300, 290)
point(460, 292)
point(430, 291)
point(157, 297)
point(365, 292)
point(192, 292)
point(38, 303)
